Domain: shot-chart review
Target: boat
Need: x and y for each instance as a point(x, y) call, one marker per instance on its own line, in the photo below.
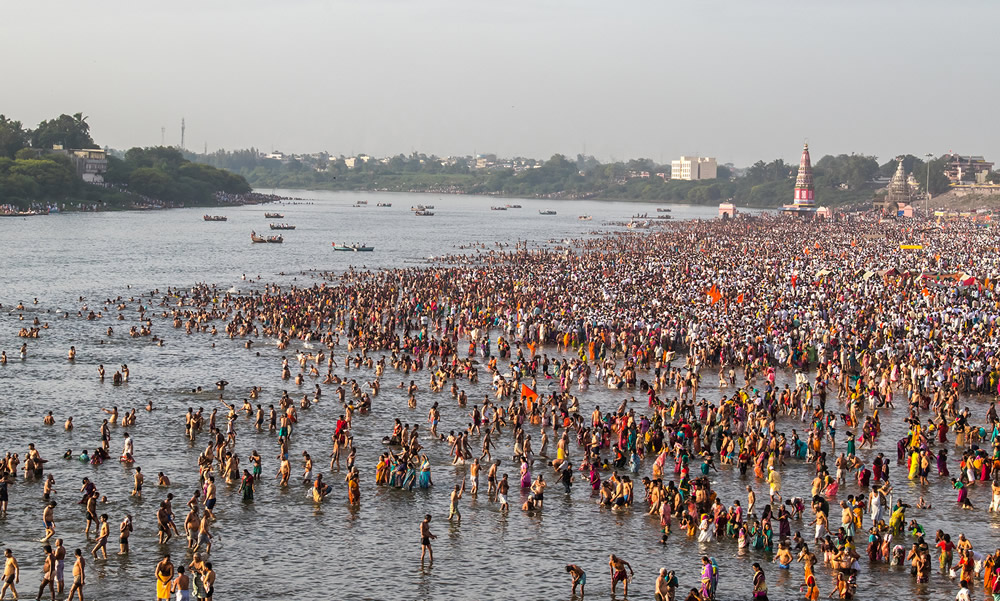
point(384, 204)
point(428, 206)
point(358, 205)
point(547, 212)
point(662, 210)
point(418, 208)
point(273, 216)
point(29, 213)
point(641, 216)
point(513, 206)
point(498, 208)
point(663, 217)
point(358, 248)
point(254, 238)
point(215, 218)
point(423, 213)
point(281, 226)
point(585, 217)
point(361, 202)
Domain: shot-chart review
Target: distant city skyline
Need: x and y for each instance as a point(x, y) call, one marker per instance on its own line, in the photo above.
point(735, 81)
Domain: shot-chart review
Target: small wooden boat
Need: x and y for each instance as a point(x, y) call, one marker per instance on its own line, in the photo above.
point(585, 217)
point(423, 213)
point(215, 218)
point(662, 210)
point(281, 226)
point(361, 202)
point(547, 212)
point(255, 239)
point(428, 206)
point(273, 216)
point(384, 204)
point(498, 208)
point(418, 208)
point(513, 206)
point(358, 248)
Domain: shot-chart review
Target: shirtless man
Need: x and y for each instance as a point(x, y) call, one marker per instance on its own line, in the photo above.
point(210, 497)
point(192, 523)
point(455, 496)
point(138, 479)
point(60, 556)
point(11, 574)
point(208, 578)
point(163, 523)
point(103, 532)
point(49, 519)
point(48, 574)
point(181, 585)
point(617, 567)
point(491, 480)
point(204, 536)
point(579, 577)
point(124, 531)
point(502, 487)
point(425, 538)
point(79, 579)
point(164, 575)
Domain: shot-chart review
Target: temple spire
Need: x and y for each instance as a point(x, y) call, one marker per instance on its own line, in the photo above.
point(805, 193)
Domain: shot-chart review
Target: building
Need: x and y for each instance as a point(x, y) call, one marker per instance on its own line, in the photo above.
point(350, 162)
point(727, 210)
point(899, 188)
point(960, 168)
point(804, 197)
point(693, 168)
point(91, 163)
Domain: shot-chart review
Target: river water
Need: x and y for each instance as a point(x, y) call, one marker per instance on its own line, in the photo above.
point(283, 546)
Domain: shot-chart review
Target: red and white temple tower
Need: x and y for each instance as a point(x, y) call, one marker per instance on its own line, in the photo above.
point(804, 200)
point(805, 193)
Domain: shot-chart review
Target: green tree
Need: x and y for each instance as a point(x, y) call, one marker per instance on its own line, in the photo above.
point(70, 131)
point(13, 137)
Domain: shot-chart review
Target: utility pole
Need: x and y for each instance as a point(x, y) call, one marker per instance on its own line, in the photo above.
point(182, 133)
point(163, 136)
point(927, 191)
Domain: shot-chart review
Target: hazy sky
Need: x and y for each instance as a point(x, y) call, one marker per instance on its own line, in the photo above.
point(736, 80)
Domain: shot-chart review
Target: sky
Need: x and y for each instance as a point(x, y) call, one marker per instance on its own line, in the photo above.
point(739, 81)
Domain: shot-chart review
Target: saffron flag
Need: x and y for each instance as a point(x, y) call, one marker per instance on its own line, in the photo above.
point(528, 393)
point(714, 293)
point(739, 298)
point(794, 279)
point(531, 347)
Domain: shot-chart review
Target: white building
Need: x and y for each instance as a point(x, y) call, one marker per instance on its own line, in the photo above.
point(693, 168)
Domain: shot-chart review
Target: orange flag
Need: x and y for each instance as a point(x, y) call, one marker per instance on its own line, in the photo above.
point(714, 293)
point(531, 347)
point(528, 393)
point(794, 279)
point(739, 298)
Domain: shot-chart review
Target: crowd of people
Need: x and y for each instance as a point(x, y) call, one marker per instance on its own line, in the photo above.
point(811, 329)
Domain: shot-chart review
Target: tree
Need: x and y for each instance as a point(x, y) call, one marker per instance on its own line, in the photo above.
point(13, 137)
point(70, 131)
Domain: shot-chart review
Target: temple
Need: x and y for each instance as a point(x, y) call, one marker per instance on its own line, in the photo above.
point(804, 200)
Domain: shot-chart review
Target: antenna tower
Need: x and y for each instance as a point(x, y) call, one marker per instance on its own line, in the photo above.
point(163, 136)
point(182, 133)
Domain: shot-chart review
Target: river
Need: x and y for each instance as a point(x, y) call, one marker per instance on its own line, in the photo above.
point(283, 546)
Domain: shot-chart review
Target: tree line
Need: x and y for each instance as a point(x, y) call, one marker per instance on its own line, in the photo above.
point(838, 180)
point(31, 171)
